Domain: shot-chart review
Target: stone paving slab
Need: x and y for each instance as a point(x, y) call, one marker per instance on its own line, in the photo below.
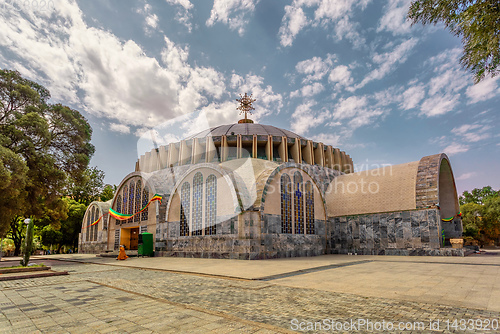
point(86, 307)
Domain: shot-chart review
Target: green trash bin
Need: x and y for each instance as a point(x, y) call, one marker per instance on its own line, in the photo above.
point(146, 246)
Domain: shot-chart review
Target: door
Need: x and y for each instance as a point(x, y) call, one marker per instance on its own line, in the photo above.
point(134, 238)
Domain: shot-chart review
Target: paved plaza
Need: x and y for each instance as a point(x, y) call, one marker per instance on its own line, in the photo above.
point(174, 295)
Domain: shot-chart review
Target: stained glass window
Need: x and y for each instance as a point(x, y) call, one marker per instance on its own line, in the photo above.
point(185, 197)
point(197, 204)
point(131, 202)
point(286, 204)
point(125, 199)
point(87, 228)
point(145, 200)
point(310, 226)
point(298, 201)
point(118, 207)
point(138, 190)
point(211, 205)
point(92, 220)
point(96, 225)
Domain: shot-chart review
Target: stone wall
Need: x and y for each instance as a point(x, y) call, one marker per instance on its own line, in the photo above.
point(416, 232)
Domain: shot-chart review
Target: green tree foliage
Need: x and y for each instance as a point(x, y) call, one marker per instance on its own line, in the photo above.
point(108, 193)
point(481, 214)
point(478, 196)
point(71, 227)
point(13, 173)
point(17, 231)
point(88, 187)
point(51, 236)
point(476, 22)
point(52, 140)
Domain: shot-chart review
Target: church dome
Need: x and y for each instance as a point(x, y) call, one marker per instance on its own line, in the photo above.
point(245, 129)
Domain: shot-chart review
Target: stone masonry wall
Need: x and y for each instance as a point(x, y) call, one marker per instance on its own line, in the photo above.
point(396, 233)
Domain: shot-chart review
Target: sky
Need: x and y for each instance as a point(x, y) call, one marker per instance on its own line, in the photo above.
point(352, 74)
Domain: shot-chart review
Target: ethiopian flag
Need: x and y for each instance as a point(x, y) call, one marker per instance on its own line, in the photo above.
point(123, 216)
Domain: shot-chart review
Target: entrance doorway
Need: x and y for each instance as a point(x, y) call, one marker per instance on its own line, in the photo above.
point(130, 238)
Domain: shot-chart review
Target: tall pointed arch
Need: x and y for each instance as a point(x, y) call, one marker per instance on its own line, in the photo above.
point(286, 204)
point(96, 216)
point(197, 204)
point(138, 197)
point(145, 200)
point(211, 205)
point(298, 201)
point(310, 225)
point(131, 200)
point(185, 209)
point(87, 228)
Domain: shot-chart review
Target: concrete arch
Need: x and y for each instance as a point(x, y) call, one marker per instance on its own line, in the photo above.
point(269, 177)
point(226, 175)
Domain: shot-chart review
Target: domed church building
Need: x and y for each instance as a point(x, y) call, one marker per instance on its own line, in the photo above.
point(254, 191)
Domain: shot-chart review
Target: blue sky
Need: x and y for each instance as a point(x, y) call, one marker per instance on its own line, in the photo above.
point(353, 74)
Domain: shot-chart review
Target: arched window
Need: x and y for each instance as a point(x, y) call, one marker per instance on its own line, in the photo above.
point(92, 220)
point(211, 205)
point(125, 199)
point(286, 204)
point(145, 200)
point(310, 226)
point(184, 221)
point(197, 204)
point(298, 201)
point(96, 210)
point(131, 201)
point(87, 228)
point(119, 204)
point(138, 190)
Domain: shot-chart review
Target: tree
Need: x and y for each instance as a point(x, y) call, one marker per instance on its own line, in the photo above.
point(13, 173)
point(51, 236)
point(28, 247)
point(108, 193)
point(478, 196)
point(476, 22)
point(71, 227)
point(481, 214)
point(52, 140)
point(88, 187)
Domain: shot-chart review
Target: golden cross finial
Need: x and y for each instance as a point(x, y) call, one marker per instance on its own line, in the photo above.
point(245, 104)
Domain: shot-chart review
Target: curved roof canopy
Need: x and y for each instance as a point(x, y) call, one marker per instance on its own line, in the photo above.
point(245, 129)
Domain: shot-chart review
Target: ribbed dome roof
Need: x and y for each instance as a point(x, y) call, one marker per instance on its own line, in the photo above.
point(245, 129)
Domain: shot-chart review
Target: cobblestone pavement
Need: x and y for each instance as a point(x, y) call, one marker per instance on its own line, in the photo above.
point(101, 298)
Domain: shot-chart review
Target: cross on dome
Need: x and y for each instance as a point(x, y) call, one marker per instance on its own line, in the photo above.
point(245, 107)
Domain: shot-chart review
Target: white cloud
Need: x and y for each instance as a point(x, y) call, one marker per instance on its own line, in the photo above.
point(439, 105)
point(232, 12)
point(455, 148)
point(95, 70)
point(466, 176)
point(315, 68)
point(151, 19)
point(119, 128)
point(389, 60)
point(183, 15)
point(296, 20)
point(305, 118)
point(357, 112)
point(394, 18)
point(412, 97)
point(472, 132)
point(482, 91)
point(341, 77)
point(327, 12)
point(308, 90)
point(327, 139)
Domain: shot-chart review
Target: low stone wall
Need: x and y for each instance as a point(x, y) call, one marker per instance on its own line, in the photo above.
point(396, 233)
point(92, 248)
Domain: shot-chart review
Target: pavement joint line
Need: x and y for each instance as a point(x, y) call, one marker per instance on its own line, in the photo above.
point(202, 310)
point(314, 269)
point(454, 263)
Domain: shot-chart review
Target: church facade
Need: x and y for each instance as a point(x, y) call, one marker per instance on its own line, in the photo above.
point(252, 191)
